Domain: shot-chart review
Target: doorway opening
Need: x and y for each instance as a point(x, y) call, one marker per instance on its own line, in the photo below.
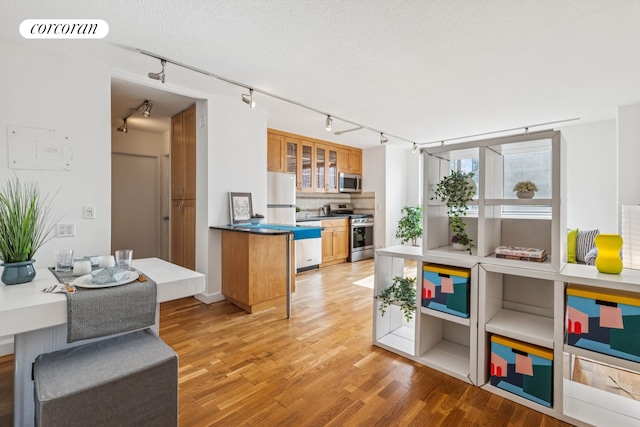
point(141, 168)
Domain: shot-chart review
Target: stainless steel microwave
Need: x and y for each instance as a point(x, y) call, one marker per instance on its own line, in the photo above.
point(350, 183)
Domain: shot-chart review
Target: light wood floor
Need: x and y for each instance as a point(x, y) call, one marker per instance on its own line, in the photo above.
point(318, 368)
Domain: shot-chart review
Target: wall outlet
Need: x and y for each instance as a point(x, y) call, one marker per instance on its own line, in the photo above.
point(89, 212)
point(66, 230)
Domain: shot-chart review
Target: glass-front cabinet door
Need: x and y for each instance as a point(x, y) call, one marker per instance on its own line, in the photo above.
point(306, 170)
point(320, 169)
point(291, 161)
point(332, 171)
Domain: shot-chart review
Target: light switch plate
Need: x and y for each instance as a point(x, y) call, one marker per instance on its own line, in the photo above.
point(89, 212)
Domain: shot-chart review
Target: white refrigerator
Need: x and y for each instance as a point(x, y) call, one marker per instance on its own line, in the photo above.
point(281, 198)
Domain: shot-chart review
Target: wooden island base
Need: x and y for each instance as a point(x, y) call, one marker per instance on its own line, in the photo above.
point(254, 269)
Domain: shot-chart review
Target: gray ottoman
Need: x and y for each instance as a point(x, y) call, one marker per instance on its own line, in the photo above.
point(127, 380)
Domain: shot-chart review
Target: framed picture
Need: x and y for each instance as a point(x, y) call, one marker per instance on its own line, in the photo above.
point(241, 207)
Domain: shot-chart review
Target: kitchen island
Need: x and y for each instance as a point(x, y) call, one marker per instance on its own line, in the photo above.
point(258, 271)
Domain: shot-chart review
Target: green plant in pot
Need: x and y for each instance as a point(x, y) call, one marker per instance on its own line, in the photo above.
point(525, 189)
point(456, 191)
point(26, 223)
point(403, 293)
point(410, 226)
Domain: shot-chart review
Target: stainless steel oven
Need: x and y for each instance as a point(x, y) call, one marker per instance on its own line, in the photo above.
point(361, 237)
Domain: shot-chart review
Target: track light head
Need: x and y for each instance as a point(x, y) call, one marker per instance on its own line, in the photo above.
point(160, 75)
point(123, 128)
point(383, 139)
point(327, 123)
point(147, 109)
point(248, 99)
point(415, 148)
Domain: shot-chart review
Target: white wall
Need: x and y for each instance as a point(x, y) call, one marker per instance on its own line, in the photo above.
point(592, 165)
point(237, 162)
point(374, 179)
point(629, 154)
point(47, 91)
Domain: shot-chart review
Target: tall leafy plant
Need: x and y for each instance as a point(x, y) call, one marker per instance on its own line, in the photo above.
point(456, 191)
point(410, 226)
point(26, 221)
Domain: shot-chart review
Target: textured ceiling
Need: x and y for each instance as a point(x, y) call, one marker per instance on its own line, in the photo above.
point(422, 70)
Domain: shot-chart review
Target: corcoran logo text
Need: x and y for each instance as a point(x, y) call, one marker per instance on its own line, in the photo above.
point(64, 29)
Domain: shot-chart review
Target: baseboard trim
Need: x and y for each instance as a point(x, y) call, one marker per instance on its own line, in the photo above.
point(210, 298)
point(6, 346)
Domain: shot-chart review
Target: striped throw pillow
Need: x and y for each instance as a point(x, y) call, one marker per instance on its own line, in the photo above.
point(584, 243)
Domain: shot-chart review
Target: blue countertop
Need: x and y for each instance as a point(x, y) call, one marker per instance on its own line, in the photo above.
point(299, 232)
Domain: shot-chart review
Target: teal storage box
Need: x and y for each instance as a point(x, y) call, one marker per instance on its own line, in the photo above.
point(604, 320)
point(522, 369)
point(446, 289)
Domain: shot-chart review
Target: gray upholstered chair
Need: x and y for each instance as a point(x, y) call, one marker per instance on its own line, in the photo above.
point(125, 380)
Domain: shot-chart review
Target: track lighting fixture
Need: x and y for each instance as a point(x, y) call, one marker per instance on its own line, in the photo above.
point(160, 75)
point(123, 128)
point(147, 112)
point(327, 123)
point(147, 109)
point(248, 99)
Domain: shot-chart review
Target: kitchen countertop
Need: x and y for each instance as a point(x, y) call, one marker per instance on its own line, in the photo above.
point(299, 232)
point(321, 217)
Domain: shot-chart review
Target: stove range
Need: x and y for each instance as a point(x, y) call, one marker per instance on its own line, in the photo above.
point(361, 231)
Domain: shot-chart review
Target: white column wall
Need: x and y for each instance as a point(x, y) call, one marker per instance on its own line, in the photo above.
point(591, 174)
point(629, 154)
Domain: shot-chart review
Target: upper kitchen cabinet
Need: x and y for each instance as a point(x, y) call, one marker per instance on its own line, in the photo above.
point(316, 163)
point(326, 169)
point(183, 155)
point(276, 153)
point(350, 160)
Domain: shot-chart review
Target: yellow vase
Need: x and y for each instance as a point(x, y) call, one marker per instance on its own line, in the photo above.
point(608, 259)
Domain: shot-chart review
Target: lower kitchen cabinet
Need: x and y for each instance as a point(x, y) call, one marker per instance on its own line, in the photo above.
point(525, 307)
point(335, 241)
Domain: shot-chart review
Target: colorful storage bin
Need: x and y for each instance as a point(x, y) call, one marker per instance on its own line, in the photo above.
point(446, 289)
point(603, 320)
point(522, 369)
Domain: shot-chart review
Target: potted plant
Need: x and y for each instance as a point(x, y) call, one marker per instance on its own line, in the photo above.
point(410, 226)
point(403, 293)
point(456, 190)
point(256, 218)
point(525, 189)
point(26, 224)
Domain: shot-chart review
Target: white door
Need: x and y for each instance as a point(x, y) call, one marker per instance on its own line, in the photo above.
point(135, 204)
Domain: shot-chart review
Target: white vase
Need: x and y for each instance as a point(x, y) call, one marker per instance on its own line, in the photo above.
point(459, 246)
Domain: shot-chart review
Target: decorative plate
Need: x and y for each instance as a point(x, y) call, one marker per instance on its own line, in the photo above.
point(86, 281)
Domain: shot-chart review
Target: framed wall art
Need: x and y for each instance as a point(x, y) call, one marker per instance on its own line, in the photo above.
point(240, 207)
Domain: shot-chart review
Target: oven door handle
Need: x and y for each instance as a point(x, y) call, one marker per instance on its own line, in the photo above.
point(361, 225)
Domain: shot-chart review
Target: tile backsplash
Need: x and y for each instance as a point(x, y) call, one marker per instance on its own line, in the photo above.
point(311, 204)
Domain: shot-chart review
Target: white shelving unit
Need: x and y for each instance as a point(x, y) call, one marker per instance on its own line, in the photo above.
point(491, 228)
point(447, 342)
point(521, 300)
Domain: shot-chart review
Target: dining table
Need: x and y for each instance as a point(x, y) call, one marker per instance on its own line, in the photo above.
point(38, 320)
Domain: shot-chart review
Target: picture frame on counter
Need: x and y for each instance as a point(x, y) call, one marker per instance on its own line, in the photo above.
point(240, 207)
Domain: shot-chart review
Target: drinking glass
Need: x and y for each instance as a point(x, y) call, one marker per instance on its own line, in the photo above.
point(123, 258)
point(64, 259)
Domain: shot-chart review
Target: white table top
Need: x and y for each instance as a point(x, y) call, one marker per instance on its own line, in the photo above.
point(25, 307)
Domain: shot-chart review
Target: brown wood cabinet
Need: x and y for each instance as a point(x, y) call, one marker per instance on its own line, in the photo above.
point(316, 163)
point(276, 153)
point(183, 188)
point(335, 241)
point(350, 161)
point(183, 155)
point(254, 269)
point(183, 233)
